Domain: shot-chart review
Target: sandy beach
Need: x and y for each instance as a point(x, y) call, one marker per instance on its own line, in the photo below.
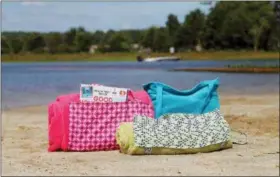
point(24, 147)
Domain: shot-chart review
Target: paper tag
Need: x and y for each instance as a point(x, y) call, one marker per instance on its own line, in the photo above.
point(109, 94)
point(103, 94)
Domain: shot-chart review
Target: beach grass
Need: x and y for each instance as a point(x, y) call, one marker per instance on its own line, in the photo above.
point(130, 56)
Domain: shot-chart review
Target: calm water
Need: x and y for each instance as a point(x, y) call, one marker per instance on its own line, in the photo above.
point(39, 83)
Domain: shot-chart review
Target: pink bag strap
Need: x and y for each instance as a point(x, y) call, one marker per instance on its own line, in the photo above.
point(130, 95)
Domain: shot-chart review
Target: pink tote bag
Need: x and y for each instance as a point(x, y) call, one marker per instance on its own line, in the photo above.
point(59, 117)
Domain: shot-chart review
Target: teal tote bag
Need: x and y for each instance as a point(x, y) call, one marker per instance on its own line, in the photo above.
point(202, 98)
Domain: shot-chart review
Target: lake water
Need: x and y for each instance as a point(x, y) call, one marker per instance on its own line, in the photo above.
point(40, 83)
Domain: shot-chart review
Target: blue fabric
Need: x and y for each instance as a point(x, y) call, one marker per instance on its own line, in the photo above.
point(202, 98)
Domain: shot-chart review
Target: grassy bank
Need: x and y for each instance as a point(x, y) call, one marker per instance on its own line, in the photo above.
point(233, 70)
point(223, 55)
point(237, 69)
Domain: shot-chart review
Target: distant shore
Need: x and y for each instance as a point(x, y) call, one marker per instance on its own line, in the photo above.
point(129, 56)
point(233, 70)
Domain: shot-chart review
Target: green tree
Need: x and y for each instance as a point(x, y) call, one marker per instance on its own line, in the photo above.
point(98, 37)
point(119, 42)
point(149, 38)
point(161, 40)
point(156, 39)
point(181, 38)
point(53, 40)
point(260, 18)
point(134, 36)
point(215, 22)
point(82, 41)
point(14, 44)
point(34, 42)
point(238, 25)
point(234, 31)
point(274, 32)
point(172, 25)
point(6, 45)
point(108, 36)
point(192, 30)
point(69, 36)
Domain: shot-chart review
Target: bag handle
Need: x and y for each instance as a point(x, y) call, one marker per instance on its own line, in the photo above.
point(130, 95)
point(208, 96)
point(159, 89)
point(159, 101)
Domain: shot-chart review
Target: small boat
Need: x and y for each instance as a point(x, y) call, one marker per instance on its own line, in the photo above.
point(157, 59)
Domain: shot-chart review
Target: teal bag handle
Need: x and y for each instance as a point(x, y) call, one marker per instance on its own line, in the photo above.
point(159, 100)
point(208, 97)
point(159, 89)
point(200, 99)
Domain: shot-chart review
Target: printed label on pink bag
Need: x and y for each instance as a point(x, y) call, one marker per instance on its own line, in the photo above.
point(109, 94)
point(102, 94)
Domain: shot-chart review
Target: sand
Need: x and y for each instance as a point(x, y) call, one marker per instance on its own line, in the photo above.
point(24, 147)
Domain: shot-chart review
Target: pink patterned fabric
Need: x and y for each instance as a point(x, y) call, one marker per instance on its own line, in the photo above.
point(92, 126)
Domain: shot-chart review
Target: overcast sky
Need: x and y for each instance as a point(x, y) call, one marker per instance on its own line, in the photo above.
point(60, 16)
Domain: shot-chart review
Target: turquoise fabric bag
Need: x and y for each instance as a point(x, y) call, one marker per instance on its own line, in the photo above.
point(200, 99)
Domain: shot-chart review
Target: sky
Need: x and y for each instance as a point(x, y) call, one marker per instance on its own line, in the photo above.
point(60, 16)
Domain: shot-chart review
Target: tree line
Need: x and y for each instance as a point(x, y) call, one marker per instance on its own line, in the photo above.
point(247, 25)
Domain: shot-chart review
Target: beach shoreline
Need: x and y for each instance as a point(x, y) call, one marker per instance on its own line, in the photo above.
point(25, 141)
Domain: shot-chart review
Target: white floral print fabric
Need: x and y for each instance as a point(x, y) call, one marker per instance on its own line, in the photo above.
point(178, 130)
